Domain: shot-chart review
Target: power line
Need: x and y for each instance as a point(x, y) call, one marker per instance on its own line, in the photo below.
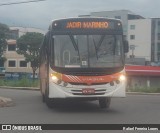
point(13, 3)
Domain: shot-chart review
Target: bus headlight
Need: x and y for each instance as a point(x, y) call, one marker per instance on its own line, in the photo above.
point(122, 77)
point(56, 78)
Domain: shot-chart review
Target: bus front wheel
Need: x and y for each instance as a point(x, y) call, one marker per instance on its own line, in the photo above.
point(49, 101)
point(104, 102)
point(43, 98)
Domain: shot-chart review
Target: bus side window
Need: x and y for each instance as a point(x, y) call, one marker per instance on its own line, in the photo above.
point(43, 52)
point(52, 49)
point(42, 55)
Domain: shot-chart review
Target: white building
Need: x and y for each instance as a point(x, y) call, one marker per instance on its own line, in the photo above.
point(142, 34)
point(124, 15)
point(139, 38)
point(144, 39)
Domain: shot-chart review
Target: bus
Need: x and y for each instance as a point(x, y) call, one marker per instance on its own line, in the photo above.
point(83, 58)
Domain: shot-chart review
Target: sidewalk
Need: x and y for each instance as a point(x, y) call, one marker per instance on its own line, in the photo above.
point(19, 88)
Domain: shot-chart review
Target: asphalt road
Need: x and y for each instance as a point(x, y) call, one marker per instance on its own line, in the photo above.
point(29, 109)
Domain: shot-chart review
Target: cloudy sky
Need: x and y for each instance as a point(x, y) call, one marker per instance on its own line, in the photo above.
point(40, 14)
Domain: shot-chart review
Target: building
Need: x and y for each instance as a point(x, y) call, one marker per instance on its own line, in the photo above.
point(139, 39)
point(144, 39)
point(124, 15)
point(16, 32)
point(16, 63)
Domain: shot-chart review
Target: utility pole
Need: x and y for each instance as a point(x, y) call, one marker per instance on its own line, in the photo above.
point(132, 47)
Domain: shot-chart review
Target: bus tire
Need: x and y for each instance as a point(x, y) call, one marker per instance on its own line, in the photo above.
point(104, 102)
point(49, 101)
point(43, 98)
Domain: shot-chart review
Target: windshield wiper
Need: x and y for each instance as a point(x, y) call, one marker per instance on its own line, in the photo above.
point(99, 44)
point(75, 45)
point(95, 48)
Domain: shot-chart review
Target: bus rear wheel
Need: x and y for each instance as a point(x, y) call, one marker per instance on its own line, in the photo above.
point(104, 102)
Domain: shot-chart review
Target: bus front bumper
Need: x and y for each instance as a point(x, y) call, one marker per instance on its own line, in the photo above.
point(80, 91)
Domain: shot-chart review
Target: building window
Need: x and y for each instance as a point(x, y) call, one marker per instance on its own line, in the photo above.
point(158, 56)
point(1, 63)
point(12, 63)
point(118, 17)
point(132, 37)
point(125, 28)
point(132, 27)
point(158, 36)
point(11, 47)
point(158, 45)
point(158, 23)
point(22, 64)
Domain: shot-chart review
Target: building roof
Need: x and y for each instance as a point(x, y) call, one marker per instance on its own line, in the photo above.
point(142, 70)
point(24, 30)
point(127, 11)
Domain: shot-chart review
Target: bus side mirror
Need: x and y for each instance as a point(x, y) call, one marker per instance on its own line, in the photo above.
point(126, 46)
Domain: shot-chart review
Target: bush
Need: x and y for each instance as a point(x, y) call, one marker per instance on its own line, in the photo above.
point(2, 82)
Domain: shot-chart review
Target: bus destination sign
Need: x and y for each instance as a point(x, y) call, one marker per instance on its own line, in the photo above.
point(87, 25)
point(81, 25)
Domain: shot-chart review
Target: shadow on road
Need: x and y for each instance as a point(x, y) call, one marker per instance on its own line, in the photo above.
point(81, 106)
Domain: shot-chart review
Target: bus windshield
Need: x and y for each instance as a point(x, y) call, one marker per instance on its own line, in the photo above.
point(87, 51)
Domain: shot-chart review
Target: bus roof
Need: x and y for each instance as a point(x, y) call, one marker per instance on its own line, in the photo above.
point(87, 18)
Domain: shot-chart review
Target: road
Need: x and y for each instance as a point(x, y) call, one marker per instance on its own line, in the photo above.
point(29, 109)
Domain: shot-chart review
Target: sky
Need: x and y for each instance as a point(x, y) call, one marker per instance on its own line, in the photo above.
point(40, 14)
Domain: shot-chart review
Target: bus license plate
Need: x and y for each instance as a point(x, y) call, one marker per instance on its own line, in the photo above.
point(88, 91)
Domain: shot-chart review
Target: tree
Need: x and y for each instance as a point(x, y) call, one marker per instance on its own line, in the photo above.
point(29, 46)
point(3, 43)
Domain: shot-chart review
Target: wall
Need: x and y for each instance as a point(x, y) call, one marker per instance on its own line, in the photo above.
point(142, 41)
point(143, 81)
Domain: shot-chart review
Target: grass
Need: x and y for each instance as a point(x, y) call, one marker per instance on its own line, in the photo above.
point(145, 89)
point(24, 82)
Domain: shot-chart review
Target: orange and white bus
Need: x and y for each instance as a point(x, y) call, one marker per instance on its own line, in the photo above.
point(83, 58)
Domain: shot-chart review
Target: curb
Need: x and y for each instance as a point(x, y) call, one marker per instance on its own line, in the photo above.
point(141, 93)
point(20, 88)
